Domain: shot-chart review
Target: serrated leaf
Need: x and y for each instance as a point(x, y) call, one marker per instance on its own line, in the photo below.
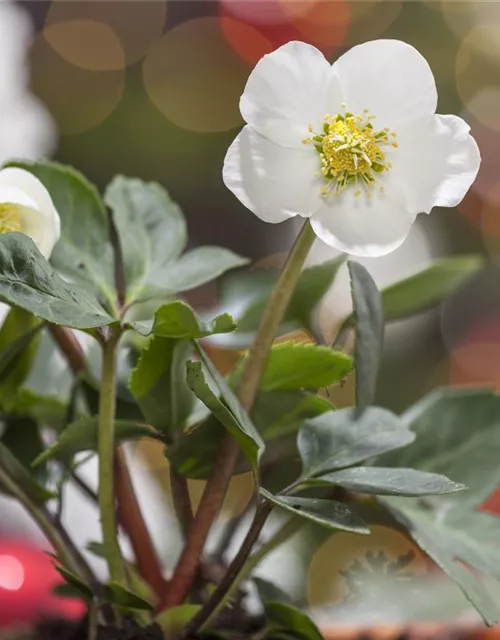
point(81, 435)
point(178, 320)
point(28, 281)
point(174, 620)
point(427, 288)
point(83, 251)
point(340, 439)
point(152, 233)
point(293, 365)
point(291, 620)
point(158, 383)
point(13, 472)
point(369, 333)
point(225, 408)
point(17, 350)
point(125, 598)
point(388, 481)
point(328, 513)
point(75, 582)
point(245, 297)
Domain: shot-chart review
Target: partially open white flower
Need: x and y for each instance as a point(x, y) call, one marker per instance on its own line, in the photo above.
point(356, 146)
point(26, 206)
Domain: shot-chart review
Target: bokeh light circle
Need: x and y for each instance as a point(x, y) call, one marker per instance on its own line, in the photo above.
point(370, 19)
point(194, 78)
point(87, 44)
point(78, 99)
point(136, 24)
point(326, 580)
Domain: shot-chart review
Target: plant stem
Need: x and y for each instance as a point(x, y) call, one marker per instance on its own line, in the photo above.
point(182, 501)
point(240, 569)
point(224, 465)
point(106, 454)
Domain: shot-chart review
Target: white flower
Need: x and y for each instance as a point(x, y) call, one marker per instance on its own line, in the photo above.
point(26, 207)
point(355, 146)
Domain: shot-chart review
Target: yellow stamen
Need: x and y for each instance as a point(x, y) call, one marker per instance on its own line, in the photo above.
point(10, 217)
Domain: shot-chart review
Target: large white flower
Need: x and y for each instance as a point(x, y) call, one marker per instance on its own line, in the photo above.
point(355, 146)
point(26, 207)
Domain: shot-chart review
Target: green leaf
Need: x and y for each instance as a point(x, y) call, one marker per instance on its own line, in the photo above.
point(152, 233)
point(226, 408)
point(23, 439)
point(339, 439)
point(83, 251)
point(17, 350)
point(369, 333)
point(28, 281)
point(81, 587)
point(443, 543)
point(457, 435)
point(125, 598)
point(159, 385)
point(292, 620)
point(175, 619)
point(293, 365)
point(81, 435)
point(12, 471)
point(269, 592)
point(178, 320)
point(388, 481)
point(328, 513)
point(427, 288)
point(245, 297)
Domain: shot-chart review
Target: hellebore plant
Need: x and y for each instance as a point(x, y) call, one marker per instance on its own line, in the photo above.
point(118, 270)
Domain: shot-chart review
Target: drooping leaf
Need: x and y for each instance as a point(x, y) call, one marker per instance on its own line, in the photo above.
point(83, 252)
point(81, 435)
point(245, 296)
point(152, 233)
point(290, 620)
point(427, 288)
point(17, 350)
point(124, 598)
point(340, 439)
point(28, 281)
point(76, 583)
point(293, 365)
point(328, 513)
point(175, 619)
point(178, 320)
point(369, 333)
point(225, 408)
point(158, 383)
point(388, 481)
point(14, 477)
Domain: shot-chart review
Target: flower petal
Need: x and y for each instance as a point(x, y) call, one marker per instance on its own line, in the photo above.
point(274, 182)
point(362, 226)
point(388, 77)
point(436, 162)
point(288, 90)
point(40, 219)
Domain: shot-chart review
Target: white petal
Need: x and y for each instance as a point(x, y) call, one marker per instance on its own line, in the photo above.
point(388, 77)
point(40, 219)
point(436, 162)
point(274, 182)
point(361, 226)
point(288, 90)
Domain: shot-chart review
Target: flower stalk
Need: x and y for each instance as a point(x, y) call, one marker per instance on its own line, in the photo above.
point(225, 463)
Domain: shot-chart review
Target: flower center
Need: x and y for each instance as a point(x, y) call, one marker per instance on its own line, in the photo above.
point(10, 217)
point(351, 151)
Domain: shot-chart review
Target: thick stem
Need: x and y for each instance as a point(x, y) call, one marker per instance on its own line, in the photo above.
point(182, 500)
point(220, 477)
point(210, 608)
point(131, 519)
point(106, 454)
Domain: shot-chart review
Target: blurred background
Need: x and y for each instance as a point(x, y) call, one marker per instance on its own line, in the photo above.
point(151, 89)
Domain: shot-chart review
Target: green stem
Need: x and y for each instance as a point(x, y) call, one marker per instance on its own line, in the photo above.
point(218, 601)
point(43, 520)
point(227, 457)
point(106, 451)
